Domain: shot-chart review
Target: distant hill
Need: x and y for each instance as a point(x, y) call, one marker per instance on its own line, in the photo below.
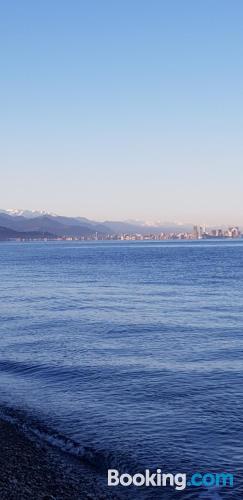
point(143, 228)
point(7, 234)
point(42, 221)
point(60, 226)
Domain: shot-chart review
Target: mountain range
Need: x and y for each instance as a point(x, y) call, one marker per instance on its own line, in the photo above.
point(43, 222)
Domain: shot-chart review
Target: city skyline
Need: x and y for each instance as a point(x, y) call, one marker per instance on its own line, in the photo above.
point(20, 225)
point(119, 111)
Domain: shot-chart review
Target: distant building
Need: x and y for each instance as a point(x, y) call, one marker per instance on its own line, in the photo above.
point(235, 232)
point(200, 234)
point(195, 233)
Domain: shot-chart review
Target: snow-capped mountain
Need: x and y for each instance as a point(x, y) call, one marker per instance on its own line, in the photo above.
point(154, 223)
point(29, 214)
point(41, 220)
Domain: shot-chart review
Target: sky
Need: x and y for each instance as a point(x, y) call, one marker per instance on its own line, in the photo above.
point(123, 109)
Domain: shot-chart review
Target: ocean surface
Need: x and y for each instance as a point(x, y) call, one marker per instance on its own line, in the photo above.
point(128, 354)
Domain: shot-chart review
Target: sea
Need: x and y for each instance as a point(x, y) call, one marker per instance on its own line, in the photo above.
point(128, 354)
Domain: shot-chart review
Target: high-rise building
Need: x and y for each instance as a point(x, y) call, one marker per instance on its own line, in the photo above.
point(200, 232)
point(195, 233)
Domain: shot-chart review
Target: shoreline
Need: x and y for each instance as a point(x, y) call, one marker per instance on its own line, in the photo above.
point(32, 469)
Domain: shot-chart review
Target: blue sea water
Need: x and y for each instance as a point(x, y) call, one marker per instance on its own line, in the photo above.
point(128, 352)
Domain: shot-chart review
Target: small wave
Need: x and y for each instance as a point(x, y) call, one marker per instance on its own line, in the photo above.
point(48, 371)
point(100, 460)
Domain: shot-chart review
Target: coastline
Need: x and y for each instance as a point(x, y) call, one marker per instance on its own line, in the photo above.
point(32, 469)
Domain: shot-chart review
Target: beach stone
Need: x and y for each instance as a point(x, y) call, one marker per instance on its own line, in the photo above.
point(27, 472)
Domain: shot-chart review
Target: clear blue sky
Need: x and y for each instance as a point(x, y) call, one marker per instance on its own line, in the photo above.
point(123, 109)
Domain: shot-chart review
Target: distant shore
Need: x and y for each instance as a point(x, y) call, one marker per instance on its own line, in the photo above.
point(33, 470)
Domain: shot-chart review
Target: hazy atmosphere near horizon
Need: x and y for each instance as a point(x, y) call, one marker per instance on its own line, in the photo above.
point(117, 110)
